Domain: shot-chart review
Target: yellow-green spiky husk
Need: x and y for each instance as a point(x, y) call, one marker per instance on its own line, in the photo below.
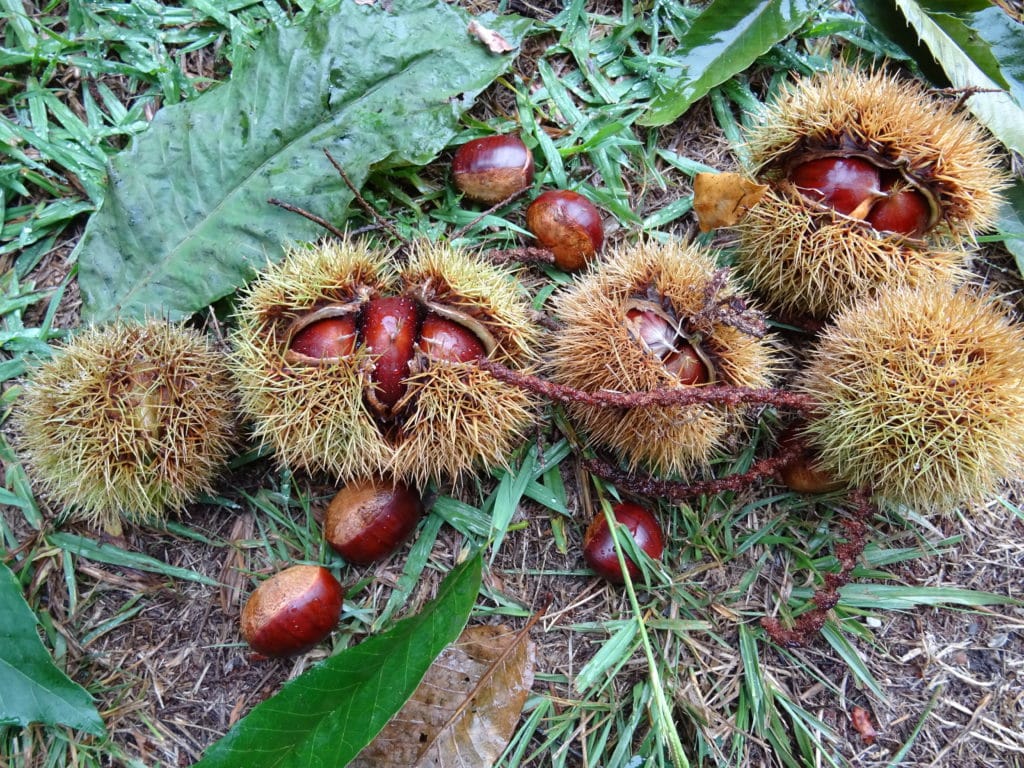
point(461, 417)
point(921, 395)
point(595, 352)
point(316, 417)
point(313, 416)
point(128, 421)
point(805, 259)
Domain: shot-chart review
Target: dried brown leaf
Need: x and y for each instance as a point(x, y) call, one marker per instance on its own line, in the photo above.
point(723, 199)
point(495, 43)
point(466, 708)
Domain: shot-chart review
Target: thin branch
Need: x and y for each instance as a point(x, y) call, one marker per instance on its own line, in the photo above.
point(501, 203)
point(309, 215)
point(370, 210)
point(809, 624)
point(526, 255)
point(675, 491)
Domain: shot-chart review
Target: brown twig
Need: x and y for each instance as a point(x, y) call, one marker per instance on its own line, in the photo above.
point(674, 396)
point(370, 210)
point(677, 491)
point(500, 204)
point(809, 624)
point(728, 309)
point(308, 215)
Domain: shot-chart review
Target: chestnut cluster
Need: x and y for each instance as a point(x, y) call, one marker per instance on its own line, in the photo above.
point(856, 187)
point(393, 330)
point(495, 168)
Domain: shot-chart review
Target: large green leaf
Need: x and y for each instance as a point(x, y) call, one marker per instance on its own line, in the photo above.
point(186, 220)
point(975, 49)
point(1011, 222)
point(324, 717)
point(32, 689)
point(725, 39)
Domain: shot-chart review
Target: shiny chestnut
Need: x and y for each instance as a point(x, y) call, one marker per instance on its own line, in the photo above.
point(369, 519)
point(905, 211)
point(331, 337)
point(654, 331)
point(846, 184)
point(599, 549)
point(292, 611)
point(567, 224)
point(448, 341)
point(390, 327)
point(492, 168)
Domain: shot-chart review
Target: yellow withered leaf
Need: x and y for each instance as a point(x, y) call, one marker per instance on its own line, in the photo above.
point(723, 199)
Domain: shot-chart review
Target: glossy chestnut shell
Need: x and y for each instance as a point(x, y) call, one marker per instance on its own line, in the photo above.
point(492, 168)
point(567, 224)
point(292, 611)
point(599, 549)
point(369, 519)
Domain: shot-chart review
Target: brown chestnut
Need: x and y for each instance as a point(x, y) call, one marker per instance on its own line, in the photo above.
point(492, 168)
point(845, 184)
point(567, 224)
point(292, 611)
point(446, 340)
point(390, 327)
point(331, 337)
point(599, 549)
point(367, 520)
point(905, 212)
point(659, 336)
point(801, 474)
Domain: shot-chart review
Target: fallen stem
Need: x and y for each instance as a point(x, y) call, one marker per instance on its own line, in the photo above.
point(825, 599)
point(308, 215)
point(717, 394)
point(364, 204)
point(674, 490)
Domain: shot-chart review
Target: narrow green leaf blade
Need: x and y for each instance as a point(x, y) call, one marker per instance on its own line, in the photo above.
point(1011, 222)
point(724, 40)
point(108, 553)
point(323, 718)
point(186, 220)
point(32, 689)
point(893, 597)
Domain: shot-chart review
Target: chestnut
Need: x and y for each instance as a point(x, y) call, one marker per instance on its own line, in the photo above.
point(390, 327)
point(599, 549)
point(367, 520)
point(658, 335)
point(567, 224)
point(492, 168)
point(331, 337)
point(801, 474)
point(292, 611)
point(905, 212)
point(446, 340)
point(842, 183)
